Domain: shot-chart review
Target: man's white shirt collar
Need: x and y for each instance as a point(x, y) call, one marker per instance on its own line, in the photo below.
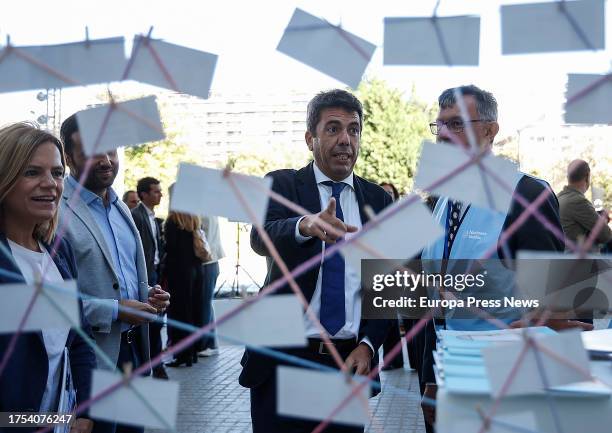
point(149, 211)
point(321, 177)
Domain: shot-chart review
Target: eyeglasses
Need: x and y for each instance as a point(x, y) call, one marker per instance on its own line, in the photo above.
point(455, 125)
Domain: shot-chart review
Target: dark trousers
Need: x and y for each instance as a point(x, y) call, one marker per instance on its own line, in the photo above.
point(414, 345)
point(427, 342)
point(211, 273)
point(393, 338)
point(263, 403)
point(186, 306)
point(128, 353)
point(155, 342)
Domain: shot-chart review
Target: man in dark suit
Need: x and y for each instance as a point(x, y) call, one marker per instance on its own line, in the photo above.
point(330, 191)
point(150, 194)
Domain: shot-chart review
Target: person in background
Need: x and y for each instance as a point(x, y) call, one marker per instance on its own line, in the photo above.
point(210, 225)
point(150, 194)
point(578, 215)
point(186, 251)
point(130, 198)
point(32, 170)
point(605, 214)
point(391, 190)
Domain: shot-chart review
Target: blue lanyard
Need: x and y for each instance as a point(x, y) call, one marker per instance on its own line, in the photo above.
point(447, 252)
point(447, 228)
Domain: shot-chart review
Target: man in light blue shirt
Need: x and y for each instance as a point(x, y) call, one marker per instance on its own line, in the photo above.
point(110, 260)
point(118, 236)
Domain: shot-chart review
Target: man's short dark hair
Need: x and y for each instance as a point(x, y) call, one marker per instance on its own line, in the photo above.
point(486, 105)
point(144, 185)
point(126, 194)
point(69, 127)
point(577, 171)
point(336, 98)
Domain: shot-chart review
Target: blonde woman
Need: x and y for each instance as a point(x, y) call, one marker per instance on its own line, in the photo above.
point(186, 250)
point(31, 183)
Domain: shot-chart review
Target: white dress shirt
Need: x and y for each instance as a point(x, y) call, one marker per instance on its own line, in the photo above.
point(352, 281)
point(153, 225)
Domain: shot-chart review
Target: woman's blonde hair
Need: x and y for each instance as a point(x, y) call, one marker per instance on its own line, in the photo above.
point(192, 224)
point(18, 142)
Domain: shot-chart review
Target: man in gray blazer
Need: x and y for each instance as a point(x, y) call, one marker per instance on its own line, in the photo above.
point(110, 260)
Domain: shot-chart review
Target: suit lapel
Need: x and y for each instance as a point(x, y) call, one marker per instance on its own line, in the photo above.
point(7, 262)
point(127, 215)
point(81, 211)
point(145, 215)
point(361, 202)
point(307, 190)
point(308, 197)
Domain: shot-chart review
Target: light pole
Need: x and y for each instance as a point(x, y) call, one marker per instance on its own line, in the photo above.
point(53, 96)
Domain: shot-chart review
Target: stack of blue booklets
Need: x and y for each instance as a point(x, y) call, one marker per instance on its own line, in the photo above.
point(460, 368)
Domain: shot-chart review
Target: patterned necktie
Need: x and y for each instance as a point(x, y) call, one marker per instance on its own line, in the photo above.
point(332, 313)
point(453, 225)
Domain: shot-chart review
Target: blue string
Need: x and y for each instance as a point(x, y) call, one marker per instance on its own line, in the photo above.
point(290, 359)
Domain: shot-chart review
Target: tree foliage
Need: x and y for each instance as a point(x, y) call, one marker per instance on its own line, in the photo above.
point(259, 161)
point(394, 129)
point(159, 159)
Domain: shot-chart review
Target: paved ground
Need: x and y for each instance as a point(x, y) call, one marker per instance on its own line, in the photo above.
point(211, 401)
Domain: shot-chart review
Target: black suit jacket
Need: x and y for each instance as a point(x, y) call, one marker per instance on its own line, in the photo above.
point(141, 219)
point(531, 235)
point(23, 381)
point(300, 187)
